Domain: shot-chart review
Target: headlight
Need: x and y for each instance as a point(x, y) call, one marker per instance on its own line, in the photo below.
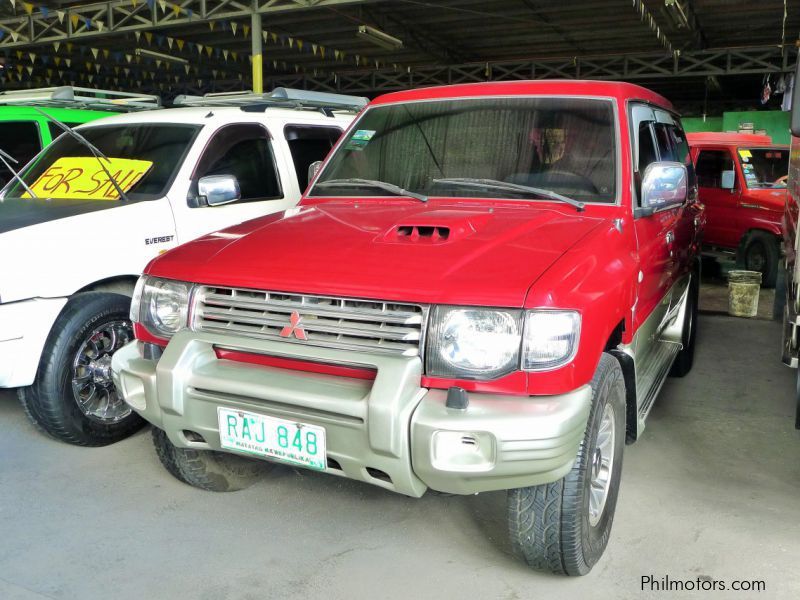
point(550, 340)
point(161, 305)
point(473, 343)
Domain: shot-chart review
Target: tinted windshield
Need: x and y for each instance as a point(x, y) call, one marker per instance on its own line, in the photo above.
point(563, 145)
point(146, 153)
point(765, 167)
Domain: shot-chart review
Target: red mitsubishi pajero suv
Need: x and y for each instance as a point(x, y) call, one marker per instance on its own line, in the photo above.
point(483, 288)
point(742, 184)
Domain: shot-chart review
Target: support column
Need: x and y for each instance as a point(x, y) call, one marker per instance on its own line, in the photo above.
point(258, 62)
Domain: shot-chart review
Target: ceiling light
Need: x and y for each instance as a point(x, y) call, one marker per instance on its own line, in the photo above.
point(159, 56)
point(379, 38)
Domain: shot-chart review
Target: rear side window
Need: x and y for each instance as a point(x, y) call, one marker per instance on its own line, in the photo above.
point(710, 165)
point(56, 131)
point(308, 144)
point(21, 140)
point(244, 151)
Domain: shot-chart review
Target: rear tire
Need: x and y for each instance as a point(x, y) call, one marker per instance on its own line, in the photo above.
point(73, 398)
point(761, 252)
point(685, 359)
point(207, 469)
point(564, 526)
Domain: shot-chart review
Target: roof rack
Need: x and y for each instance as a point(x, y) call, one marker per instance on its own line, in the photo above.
point(68, 96)
point(279, 97)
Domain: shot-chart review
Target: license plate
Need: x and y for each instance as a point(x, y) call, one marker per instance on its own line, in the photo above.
point(288, 441)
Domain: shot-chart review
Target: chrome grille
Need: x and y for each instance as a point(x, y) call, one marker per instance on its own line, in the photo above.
point(343, 323)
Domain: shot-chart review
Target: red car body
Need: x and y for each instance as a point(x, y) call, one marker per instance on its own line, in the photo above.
point(432, 315)
point(737, 216)
point(501, 253)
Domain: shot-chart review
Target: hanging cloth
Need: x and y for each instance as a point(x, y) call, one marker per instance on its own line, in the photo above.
point(766, 92)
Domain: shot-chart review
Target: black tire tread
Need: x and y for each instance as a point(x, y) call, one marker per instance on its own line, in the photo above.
point(207, 469)
point(545, 521)
point(43, 402)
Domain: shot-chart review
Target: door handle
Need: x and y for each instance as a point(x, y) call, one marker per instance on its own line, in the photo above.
point(670, 237)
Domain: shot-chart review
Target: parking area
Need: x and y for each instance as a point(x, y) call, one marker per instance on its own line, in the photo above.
point(710, 492)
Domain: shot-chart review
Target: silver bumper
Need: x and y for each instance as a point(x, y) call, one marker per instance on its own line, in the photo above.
point(389, 425)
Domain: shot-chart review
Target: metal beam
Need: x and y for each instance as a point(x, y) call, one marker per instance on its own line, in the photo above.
point(103, 19)
point(626, 67)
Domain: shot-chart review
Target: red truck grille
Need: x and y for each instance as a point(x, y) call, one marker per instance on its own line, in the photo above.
point(342, 323)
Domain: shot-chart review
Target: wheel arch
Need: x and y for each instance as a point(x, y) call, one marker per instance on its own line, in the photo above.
point(119, 284)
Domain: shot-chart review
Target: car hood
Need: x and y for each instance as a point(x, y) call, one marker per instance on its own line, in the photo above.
point(439, 252)
point(767, 198)
point(16, 213)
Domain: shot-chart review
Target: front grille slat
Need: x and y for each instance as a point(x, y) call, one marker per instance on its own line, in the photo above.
point(341, 323)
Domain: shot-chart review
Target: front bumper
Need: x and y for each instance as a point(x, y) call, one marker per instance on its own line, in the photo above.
point(390, 426)
point(24, 327)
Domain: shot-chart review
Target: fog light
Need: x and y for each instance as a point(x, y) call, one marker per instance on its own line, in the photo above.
point(464, 451)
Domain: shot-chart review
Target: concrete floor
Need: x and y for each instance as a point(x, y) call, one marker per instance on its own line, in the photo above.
point(712, 490)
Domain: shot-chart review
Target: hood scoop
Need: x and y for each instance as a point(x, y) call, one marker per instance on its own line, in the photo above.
point(436, 227)
point(416, 233)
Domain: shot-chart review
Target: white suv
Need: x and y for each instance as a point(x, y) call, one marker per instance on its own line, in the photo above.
point(69, 264)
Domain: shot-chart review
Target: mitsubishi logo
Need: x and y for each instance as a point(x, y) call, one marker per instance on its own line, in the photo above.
point(294, 328)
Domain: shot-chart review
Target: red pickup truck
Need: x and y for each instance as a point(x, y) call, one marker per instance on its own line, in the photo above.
point(484, 288)
point(742, 183)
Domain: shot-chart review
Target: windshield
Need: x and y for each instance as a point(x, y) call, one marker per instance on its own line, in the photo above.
point(562, 145)
point(143, 158)
point(765, 167)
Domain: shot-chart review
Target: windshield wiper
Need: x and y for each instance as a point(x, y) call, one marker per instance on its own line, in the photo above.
point(382, 185)
point(92, 148)
point(5, 157)
point(514, 187)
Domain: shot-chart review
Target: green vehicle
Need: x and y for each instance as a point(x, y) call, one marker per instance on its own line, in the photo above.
point(24, 131)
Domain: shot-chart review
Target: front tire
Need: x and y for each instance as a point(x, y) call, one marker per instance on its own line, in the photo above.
point(207, 469)
point(761, 252)
point(73, 398)
point(564, 526)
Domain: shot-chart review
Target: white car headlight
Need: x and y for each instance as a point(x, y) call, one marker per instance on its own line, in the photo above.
point(473, 343)
point(161, 305)
point(550, 340)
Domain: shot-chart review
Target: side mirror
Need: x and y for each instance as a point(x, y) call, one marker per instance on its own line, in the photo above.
point(313, 169)
point(218, 189)
point(664, 184)
point(728, 179)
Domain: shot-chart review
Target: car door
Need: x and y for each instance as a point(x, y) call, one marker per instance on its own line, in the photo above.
point(249, 153)
point(673, 146)
point(712, 165)
point(655, 239)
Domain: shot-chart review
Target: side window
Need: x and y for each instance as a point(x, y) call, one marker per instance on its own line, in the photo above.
point(21, 140)
point(308, 144)
point(647, 147)
point(243, 150)
point(665, 141)
point(56, 131)
point(710, 165)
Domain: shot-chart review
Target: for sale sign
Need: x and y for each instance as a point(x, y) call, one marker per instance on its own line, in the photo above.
point(84, 178)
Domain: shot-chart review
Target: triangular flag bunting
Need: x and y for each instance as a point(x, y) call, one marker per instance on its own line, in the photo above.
point(99, 25)
point(234, 25)
point(170, 41)
point(32, 56)
point(246, 29)
point(74, 19)
point(28, 7)
point(209, 50)
point(211, 25)
point(138, 35)
point(225, 54)
point(95, 52)
point(299, 44)
point(274, 36)
point(163, 5)
point(188, 68)
point(314, 49)
point(180, 44)
point(106, 52)
point(30, 70)
point(176, 10)
point(291, 42)
point(61, 14)
point(68, 62)
point(129, 57)
point(57, 60)
point(56, 46)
